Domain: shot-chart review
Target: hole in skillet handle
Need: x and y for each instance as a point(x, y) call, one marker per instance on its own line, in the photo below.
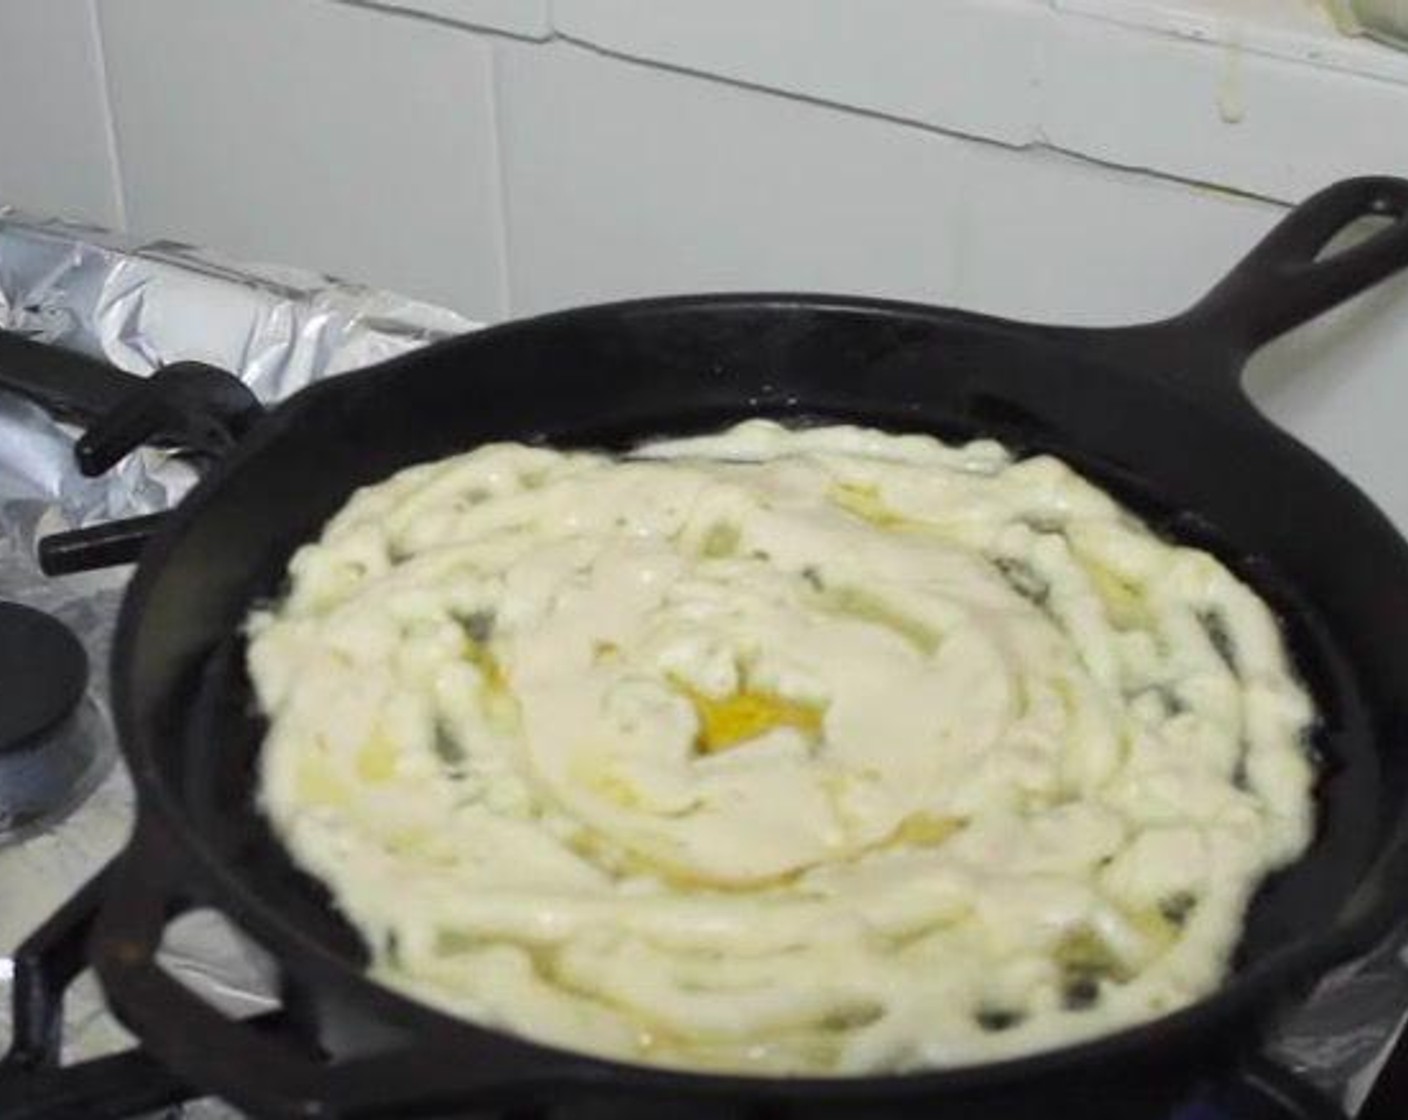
point(1298, 271)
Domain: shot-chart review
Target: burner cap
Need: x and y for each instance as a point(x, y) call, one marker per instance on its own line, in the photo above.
point(43, 672)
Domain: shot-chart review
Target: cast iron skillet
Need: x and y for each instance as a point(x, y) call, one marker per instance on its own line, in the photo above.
point(1153, 412)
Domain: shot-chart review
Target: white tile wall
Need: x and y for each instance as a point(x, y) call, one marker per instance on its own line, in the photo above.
point(973, 66)
point(1218, 114)
point(322, 134)
point(1048, 237)
point(531, 19)
point(55, 151)
point(661, 182)
point(666, 181)
point(1261, 96)
point(624, 179)
point(498, 174)
point(1309, 31)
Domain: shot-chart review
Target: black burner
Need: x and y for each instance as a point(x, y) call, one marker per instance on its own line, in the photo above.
point(47, 762)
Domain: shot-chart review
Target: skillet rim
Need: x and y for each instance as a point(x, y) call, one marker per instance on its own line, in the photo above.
point(1238, 999)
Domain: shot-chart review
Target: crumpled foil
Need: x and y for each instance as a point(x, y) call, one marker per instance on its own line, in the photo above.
point(140, 305)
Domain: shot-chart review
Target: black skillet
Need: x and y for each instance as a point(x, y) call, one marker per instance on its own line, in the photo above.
point(1154, 412)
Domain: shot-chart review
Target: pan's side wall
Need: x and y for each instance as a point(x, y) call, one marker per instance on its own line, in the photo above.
point(186, 716)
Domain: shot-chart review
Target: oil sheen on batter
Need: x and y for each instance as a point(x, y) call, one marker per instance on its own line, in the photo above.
point(818, 751)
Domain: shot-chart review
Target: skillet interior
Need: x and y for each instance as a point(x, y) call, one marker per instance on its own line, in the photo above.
point(1201, 472)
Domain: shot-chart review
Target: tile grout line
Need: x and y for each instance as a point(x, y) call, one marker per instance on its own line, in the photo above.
point(1037, 142)
point(503, 241)
point(488, 30)
point(119, 181)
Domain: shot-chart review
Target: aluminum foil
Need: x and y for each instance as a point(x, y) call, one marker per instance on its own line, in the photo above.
point(140, 305)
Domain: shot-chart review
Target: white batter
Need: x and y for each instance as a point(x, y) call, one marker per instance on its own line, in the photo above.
point(823, 751)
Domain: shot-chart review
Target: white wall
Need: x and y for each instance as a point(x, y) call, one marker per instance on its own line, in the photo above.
point(659, 181)
point(322, 134)
point(56, 150)
point(1022, 157)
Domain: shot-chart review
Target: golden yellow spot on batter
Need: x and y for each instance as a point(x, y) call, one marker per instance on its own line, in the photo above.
point(863, 500)
point(926, 829)
point(730, 721)
point(1124, 604)
point(318, 784)
point(376, 761)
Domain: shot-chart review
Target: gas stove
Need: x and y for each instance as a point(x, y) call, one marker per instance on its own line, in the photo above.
point(65, 803)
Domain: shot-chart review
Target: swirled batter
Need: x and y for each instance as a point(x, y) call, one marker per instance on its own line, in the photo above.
point(825, 751)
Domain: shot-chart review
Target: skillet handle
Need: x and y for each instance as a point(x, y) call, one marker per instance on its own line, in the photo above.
point(106, 545)
point(179, 1029)
point(1284, 281)
point(281, 1075)
point(188, 405)
point(65, 384)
